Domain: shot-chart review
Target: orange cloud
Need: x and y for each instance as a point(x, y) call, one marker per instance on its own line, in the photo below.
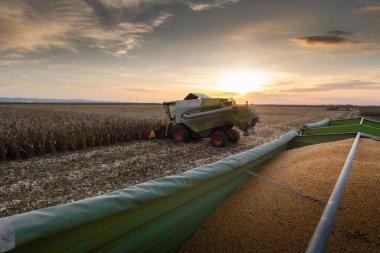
point(325, 40)
point(371, 8)
point(332, 38)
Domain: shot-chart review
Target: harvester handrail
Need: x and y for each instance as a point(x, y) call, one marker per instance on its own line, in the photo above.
point(322, 232)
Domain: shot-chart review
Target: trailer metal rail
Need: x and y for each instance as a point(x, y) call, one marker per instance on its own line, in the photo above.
point(321, 234)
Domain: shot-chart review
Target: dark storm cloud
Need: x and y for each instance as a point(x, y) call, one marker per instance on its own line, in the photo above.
point(351, 85)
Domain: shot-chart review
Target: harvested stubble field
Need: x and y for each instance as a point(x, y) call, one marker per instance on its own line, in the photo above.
point(263, 217)
point(68, 176)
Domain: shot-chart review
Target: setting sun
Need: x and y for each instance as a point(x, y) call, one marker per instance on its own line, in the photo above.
point(242, 81)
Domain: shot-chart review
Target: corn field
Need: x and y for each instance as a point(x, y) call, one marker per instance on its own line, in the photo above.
point(27, 132)
point(370, 110)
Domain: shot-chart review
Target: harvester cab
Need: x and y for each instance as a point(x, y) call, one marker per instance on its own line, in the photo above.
point(200, 116)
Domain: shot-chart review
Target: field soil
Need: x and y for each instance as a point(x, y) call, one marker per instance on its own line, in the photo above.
point(55, 179)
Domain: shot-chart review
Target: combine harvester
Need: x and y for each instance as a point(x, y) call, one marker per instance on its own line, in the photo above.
point(200, 116)
point(160, 215)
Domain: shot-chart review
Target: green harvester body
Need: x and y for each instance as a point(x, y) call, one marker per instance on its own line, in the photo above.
point(202, 116)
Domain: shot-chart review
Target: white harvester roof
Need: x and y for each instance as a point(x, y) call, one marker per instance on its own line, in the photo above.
point(196, 96)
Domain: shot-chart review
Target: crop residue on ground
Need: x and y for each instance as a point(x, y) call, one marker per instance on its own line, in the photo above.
point(61, 178)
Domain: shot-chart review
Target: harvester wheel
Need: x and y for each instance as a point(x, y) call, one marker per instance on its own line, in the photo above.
point(218, 139)
point(233, 135)
point(180, 133)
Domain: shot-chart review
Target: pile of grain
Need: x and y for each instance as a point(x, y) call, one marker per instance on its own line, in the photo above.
point(262, 217)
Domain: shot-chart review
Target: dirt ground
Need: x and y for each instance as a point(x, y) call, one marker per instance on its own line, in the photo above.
point(49, 180)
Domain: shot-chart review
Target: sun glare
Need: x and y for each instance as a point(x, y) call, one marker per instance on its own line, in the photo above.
point(242, 81)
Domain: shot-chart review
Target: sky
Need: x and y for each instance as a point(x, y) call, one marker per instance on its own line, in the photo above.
point(264, 52)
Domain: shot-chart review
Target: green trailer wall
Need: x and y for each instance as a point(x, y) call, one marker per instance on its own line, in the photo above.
point(301, 141)
point(156, 215)
point(355, 125)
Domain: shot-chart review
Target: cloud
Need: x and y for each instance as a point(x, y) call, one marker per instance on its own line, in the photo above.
point(371, 8)
point(35, 25)
point(366, 44)
point(142, 90)
point(21, 29)
point(203, 6)
point(333, 38)
point(324, 40)
point(133, 3)
point(339, 33)
point(9, 59)
point(349, 85)
point(114, 27)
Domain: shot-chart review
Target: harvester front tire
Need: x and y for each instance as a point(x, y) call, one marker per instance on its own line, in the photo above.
point(180, 133)
point(218, 139)
point(233, 135)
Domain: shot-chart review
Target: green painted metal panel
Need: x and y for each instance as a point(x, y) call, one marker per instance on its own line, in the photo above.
point(333, 130)
point(344, 129)
point(211, 104)
point(343, 122)
point(306, 140)
point(206, 123)
point(240, 119)
point(370, 130)
point(371, 123)
point(154, 216)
